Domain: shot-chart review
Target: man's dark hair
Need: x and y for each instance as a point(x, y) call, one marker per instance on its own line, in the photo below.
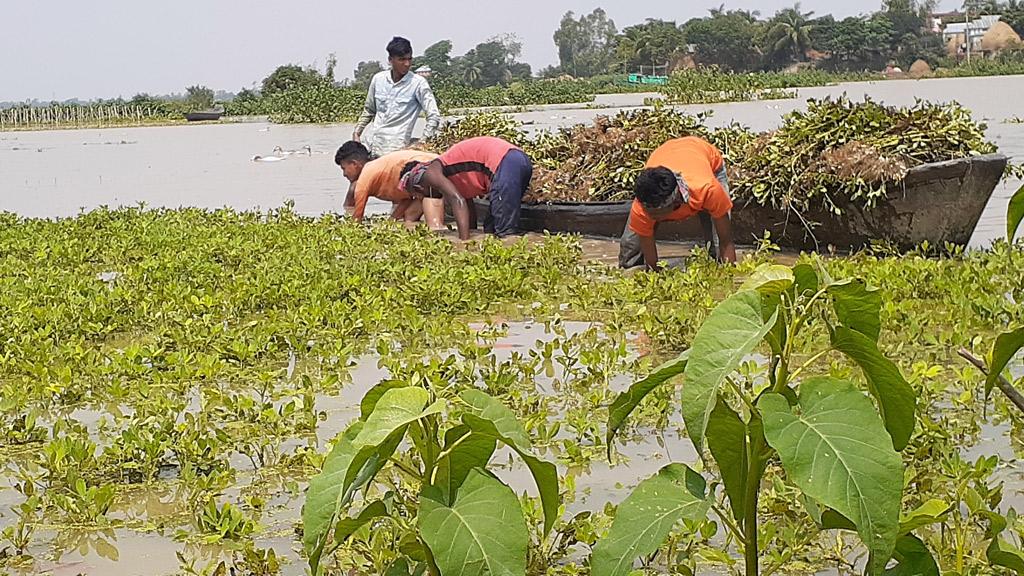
point(351, 150)
point(655, 186)
point(399, 47)
point(408, 166)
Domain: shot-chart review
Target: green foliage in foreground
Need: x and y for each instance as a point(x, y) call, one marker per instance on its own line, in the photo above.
point(826, 434)
point(184, 374)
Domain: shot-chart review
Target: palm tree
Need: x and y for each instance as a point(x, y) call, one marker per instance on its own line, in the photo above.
point(472, 73)
point(790, 33)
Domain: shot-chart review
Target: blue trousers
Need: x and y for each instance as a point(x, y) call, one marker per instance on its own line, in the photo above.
point(506, 194)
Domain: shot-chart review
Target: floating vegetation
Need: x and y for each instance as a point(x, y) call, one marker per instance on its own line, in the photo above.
point(196, 377)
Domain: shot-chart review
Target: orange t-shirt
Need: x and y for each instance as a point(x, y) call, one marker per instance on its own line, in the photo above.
point(380, 177)
point(696, 161)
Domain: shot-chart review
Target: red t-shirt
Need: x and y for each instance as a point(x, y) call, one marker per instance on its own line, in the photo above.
point(696, 161)
point(471, 164)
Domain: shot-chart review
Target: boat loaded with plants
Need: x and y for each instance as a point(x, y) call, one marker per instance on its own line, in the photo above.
point(841, 173)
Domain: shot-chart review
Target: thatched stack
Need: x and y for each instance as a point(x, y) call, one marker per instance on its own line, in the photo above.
point(999, 37)
point(920, 69)
point(953, 46)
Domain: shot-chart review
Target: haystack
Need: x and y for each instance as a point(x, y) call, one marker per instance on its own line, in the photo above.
point(999, 37)
point(920, 69)
point(953, 46)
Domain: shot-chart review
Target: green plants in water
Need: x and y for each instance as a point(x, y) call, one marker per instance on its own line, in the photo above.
point(707, 85)
point(448, 512)
point(824, 431)
point(167, 372)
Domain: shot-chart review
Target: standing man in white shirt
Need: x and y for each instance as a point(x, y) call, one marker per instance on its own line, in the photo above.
point(394, 102)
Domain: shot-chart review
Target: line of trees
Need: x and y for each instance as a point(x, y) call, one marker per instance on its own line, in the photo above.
point(900, 31)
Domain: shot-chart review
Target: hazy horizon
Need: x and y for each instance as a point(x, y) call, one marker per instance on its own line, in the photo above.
point(62, 50)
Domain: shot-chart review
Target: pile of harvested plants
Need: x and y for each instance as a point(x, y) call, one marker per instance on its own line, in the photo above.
point(836, 153)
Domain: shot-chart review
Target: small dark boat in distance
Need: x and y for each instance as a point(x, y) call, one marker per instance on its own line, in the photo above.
point(204, 115)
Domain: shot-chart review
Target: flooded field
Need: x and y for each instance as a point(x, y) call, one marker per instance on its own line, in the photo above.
point(59, 173)
point(170, 383)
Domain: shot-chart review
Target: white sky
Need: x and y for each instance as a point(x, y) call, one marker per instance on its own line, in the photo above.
point(60, 49)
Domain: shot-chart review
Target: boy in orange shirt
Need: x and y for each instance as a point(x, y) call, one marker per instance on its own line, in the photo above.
point(379, 178)
point(683, 178)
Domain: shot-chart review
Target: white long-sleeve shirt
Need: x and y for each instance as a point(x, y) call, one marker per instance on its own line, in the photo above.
point(393, 107)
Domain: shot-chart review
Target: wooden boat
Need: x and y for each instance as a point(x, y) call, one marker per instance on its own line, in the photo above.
point(938, 203)
point(204, 115)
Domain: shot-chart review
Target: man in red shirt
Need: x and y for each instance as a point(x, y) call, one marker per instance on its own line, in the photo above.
point(683, 178)
point(473, 168)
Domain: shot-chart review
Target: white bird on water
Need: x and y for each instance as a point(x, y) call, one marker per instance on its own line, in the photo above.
point(267, 158)
point(305, 150)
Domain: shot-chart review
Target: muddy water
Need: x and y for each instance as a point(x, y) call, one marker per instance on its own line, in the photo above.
point(59, 173)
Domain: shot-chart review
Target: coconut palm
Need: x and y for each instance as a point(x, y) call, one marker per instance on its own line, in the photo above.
point(472, 73)
point(790, 33)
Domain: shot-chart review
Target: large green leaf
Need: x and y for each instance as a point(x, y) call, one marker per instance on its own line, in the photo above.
point(627, 401)
point(645, 518)
point(857, 306)
point(834, 446)
point(1000, 552)
point(913, 558)
point(490, 408)
point(328, 494)
point(1006, 347)
point(545, 474)
point(1014, 214)
point(347, 468)
point(358, 454)
point(931, 512)
point(895, 396)
point(489, 417)
point(466, 451)
point(769, 279)
point(733, 330)
point(348, 526)
point(482, 534)
point(727, 440)
point(806, 279)
point(398, 407)
point(373, 395)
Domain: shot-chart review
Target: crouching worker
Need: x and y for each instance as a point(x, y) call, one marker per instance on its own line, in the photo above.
point(379, 178)
point(683, 178)
point(474, 168)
